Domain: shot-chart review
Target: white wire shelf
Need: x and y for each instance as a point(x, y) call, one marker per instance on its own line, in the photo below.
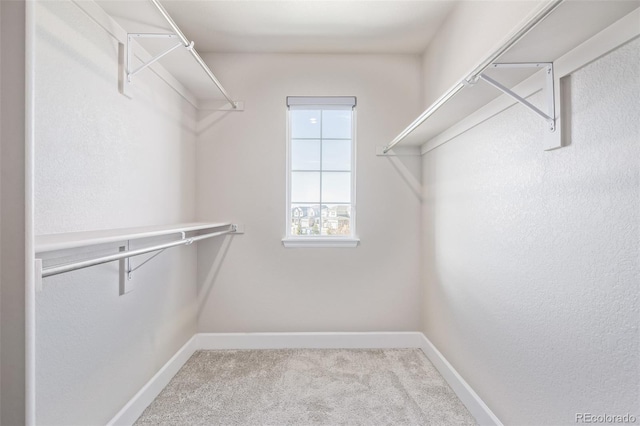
point(553, 35)
point(52, 242)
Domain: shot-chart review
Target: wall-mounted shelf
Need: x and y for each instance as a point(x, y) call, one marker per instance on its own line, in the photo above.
point(554, 36)
point(54, 242)
point(149, 39)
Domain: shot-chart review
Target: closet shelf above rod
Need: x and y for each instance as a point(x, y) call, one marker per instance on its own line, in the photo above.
point(68, 267)
point(183, 42)
point(561, 37)
point(82, 239)
point(473, 77)
point(70, 240)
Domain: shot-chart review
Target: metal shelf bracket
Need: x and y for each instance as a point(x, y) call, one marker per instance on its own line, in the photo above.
point(550, 115)
point(131, 36)
point(127, 269)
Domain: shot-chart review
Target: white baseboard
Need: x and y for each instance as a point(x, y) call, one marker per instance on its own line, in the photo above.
point(145, 396)
point(467, 395)
point(371, 340)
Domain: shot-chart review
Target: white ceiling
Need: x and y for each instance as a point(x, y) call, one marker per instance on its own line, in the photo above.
point(294, 26)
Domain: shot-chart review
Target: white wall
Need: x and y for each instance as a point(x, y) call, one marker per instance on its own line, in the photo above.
point(470, 32)
point(104, 161)
point(12, 202)
point(261, 286)
point(532, 258)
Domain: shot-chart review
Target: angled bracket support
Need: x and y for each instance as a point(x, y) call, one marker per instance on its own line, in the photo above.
point(126, 269)
point(548, 116)
point(131, 36)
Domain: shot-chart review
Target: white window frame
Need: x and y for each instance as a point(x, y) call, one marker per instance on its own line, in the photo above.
point(297, 241)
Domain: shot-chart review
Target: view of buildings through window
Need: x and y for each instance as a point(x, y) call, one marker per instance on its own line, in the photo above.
point(321, 148)
point(320, 219)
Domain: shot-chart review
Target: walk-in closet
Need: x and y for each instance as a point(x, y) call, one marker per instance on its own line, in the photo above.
point(310, 212)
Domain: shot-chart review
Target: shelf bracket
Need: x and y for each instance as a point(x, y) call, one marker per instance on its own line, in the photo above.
point(131, 270)
point(127, 270)
point(123, 271)
point(550, 115)
point(127, 72)
point(131, 36)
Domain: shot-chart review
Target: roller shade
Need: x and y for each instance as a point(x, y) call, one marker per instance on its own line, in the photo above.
point(321, 102)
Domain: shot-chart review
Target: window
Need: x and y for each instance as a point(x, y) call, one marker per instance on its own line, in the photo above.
point(321, 171)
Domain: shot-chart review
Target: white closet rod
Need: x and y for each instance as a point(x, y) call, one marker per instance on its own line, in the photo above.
point(61, 269)
point(193, 51)
point(475, 74)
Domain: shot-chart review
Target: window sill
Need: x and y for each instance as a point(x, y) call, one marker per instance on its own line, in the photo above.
point(320, 242)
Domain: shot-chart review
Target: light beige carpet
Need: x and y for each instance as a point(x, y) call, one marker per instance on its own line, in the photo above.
point(307, 387)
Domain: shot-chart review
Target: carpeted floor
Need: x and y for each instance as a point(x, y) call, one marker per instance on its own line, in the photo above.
point(307, 387)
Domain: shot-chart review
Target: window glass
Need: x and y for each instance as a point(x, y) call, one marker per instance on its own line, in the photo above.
point(337, 220)
point(306, 219)
point(336, 124)
point(305, 124)
point(305, 187)
point(336, 187)
point(336, 154)
point(305, 154)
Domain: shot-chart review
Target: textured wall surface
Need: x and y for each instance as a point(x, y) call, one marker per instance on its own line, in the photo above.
point(12, 212)
point(104, 161)
point(261, 286)
point(532, 258)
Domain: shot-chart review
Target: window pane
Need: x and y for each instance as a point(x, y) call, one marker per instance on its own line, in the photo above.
point(336, 124)
point(305, 154)
point(336, 187)
point(337, 220)
point(336, 155)
point(305, 187)
point(305, 124)
point(305, 219)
